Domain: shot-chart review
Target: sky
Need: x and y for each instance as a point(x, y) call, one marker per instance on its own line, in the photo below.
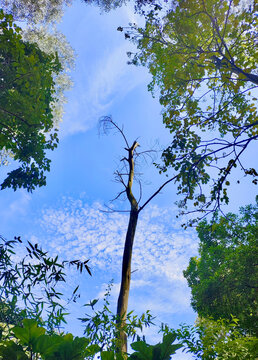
point(66, 216)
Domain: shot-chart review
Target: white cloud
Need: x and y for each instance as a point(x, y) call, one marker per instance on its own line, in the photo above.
point(83, 231)
point(76, 230)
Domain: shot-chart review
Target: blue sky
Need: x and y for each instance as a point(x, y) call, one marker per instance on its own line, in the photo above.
point(65, 217)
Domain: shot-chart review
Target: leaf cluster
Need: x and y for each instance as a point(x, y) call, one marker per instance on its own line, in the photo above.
point(27, 91)
point(102, 327)
point(34, 12)
point(223, 278)
point(203, 63)
point(32, 282)
point(221, 340)
point(30, 341)
point(144, 351)
point(161, 351)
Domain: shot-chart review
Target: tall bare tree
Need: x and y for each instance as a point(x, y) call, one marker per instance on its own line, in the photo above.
point(126, 176)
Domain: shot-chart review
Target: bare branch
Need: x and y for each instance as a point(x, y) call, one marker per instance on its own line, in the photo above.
point(111, 210)
point(107, 124)
point(157, 192)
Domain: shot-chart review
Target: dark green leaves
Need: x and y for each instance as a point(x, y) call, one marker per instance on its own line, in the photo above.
point(31, 339)
point(80, 265)
point(111, 355)
point(9, 350)
point(223, 278)
point(71, 348)
point(27, 93)
point(144, 351)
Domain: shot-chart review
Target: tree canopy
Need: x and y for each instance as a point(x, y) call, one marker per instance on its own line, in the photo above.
point(223, 278)
point(27, 93)
point(215, 340)
point(108, 5)
point(44, 11)
point(202, 59)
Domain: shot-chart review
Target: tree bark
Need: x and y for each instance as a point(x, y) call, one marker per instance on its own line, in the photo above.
point(224, 62)
point(122, 303)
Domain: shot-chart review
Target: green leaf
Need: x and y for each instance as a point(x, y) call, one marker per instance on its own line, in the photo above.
point(30, 332)
point(166, 348)
point(143, 351)
point(47, 344)
point(108, 355)
point(9, 350)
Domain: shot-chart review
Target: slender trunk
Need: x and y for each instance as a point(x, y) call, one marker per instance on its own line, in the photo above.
point(122, 303)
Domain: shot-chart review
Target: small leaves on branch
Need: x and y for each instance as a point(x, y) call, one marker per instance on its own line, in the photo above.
point(203, 63)
point(80, 265)
point(32, 281)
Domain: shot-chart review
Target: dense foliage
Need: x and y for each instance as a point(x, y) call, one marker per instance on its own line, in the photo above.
point(30, 341)
point(27, 92)
point(43, 11)
point(202, 59)
point(219, 340)
point(108, 5)
point(223, 277)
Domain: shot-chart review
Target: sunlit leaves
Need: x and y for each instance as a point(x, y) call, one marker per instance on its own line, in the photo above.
point(202, 60)
point(30, 342)
point(34, 342)
point(29, 333)
point(216, 340)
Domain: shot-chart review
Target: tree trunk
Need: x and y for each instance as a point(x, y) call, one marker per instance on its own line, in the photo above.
point(122, 303)
point(224, 62)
